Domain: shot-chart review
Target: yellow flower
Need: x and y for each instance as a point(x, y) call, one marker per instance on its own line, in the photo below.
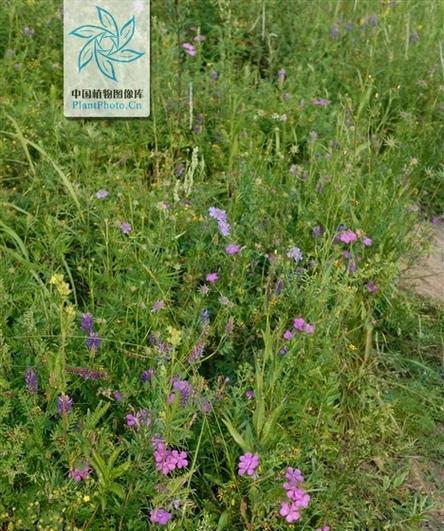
point(61, 286)
point(175, 335)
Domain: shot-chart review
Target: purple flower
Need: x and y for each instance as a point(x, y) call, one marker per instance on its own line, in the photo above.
point(93, 342)
point(347, 236)
point(204, 317)
point(212, 277)
point(229, 327)
point(299, 323)
point(217, 214)
point(158, 305)
point(179, 458)
point(290, 512)
point(125, 227)
point(64, 404)
point(249, 394)
point(146, 375)
point(181, 388)
point(309, 328)
point(322, 102)
point(189, 49)
point(293, 475)
point(367, 241)
point(141, 418)
point(87, 323)
point(168, 460)
point(160, 516)
point(117, 396)
point(352, 266)
point(102, 194)
point(325, 528)
point(199, 38)
point(248, 464)
point(77, 474)
point(296, 254)
point(372, 287)
point(334, 32)
point(288, 334)
point(317, 231)
point(88, 374)
point(31, 380)
point(232, 249)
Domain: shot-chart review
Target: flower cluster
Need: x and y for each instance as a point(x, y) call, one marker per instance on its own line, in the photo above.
point(140, 418)
point(31, 380)
point(168, 460)
point(93, 340)
point(248, 464)
point(77, 474)
point(181, 388)
point(300, 325)
point(160, 516)
point(296, 254)
point(297, 498)
point(88, 374)
point(64, 404)
point(221, 217)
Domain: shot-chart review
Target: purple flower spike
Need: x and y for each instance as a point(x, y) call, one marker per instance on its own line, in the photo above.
point(64, 404)
point(31, 380)
point(248, 464)
point(93, 342)
point(87, 323)
point(296, 254)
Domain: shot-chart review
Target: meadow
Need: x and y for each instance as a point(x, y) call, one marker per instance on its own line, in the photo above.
point(201, 324)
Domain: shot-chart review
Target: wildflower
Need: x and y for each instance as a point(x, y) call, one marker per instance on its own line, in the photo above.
point(204, 317)
point(372, 287)
point(197, 351)
point(199, 38)
point(309, 328)
point(179, 459)
point(146, 375)
point(160, 516)
point(288, 335)
point(334, 32)
point(249, 394)
point(281, 76)
point(158, 305)
point(212, 277)
point(347, 236)
point(217, 214)
point(180, 169)
point(140, 418)
point(206, 406)
point(88, 374)
point(29, 32)
point(299, 323)
point(204, 289)
point(181, 388)
point(367, 241)
point(317, 231)
point(102, 194)
point(225, 301)
point(295, 253)
point(229, 327)
point(248, 464)
point(224, 228)
point(189, 49)
point(352, 266)
point(31, 380)
point(87, 323)
point(64, 404)
point(93, 342)
point(117, 396)
point(77, 474)
point(279, 286)
point(168, 460)
point(322, 102)
point(126, 228)
point(232, 249)
point(61, 286)
point(214, 75)
point(293, 475)
point(290, 512)
point(325, 528)
point(283, 350)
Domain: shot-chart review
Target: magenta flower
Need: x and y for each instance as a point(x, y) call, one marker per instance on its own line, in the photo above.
point(179, 458)
point(140, 418)
point(290, 512)
point(347, 236)
point(309, 328)
point(160, 516)
point(126, 228)
point(232, 249)
point(77, 474)
point(293, 475)
point(295, 253)
point(288, 334)
point(212, 277)
point(248, 464)
point(299, 324)
point(325, 528)
point(102, 194)
point(189, 49)
point(367, 241)
point(249, 394)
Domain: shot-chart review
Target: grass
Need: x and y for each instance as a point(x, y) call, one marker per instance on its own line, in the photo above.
point(357, 404)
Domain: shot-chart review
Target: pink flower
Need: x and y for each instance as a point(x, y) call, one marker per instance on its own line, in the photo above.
point(367, 241)
point(212, 277)
point(125, 227)
point(322, 102)
point(309, 328)
point(299, 324)
point(248, 464)
point(288, 334)
point(372, 287)
point(199, 38)
point(289, 512)
point(160, 516)
point(179, 458)
point(232, 249)
point(347, 236)
point(189, 48)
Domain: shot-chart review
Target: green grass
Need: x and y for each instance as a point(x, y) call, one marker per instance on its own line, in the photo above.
point(357, 405)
